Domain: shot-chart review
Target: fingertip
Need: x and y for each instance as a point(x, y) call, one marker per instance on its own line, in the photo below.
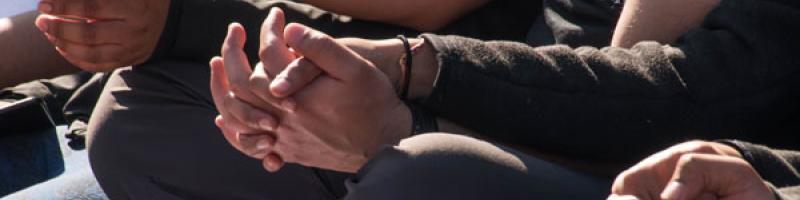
point(42, 22)
point(278, 14)
point(236, 35)
point(293, 33)
point(215, 62)
point(234, 26)
point(276, 10)
point(272, 162)
point(280, 87)
point(219, 121)
point(674, 191)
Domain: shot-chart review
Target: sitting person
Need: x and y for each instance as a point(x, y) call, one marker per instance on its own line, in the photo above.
point(712, 170)
point(189, 22)
point(165, 157)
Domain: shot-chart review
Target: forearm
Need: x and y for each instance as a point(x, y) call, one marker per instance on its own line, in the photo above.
point(26, 54)
point(608, 97)
point(422, 15)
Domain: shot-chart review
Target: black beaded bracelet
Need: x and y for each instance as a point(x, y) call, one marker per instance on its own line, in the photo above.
point(422, 121)
point(407, 60)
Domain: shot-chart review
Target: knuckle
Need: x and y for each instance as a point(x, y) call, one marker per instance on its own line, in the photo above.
point(687, 160)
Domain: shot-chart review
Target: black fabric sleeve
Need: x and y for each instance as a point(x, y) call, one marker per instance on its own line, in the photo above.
point(779, 167)
point(734, 75)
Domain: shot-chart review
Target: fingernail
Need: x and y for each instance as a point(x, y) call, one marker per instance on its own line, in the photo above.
point(45, 7)
point(674, 191)
point(263, 144)
point(266, 124)
point(280, 87)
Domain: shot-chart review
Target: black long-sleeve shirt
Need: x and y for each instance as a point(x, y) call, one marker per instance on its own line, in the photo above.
point(734, 77)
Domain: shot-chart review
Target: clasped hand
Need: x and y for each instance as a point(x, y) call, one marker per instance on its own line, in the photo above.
point(311, 100)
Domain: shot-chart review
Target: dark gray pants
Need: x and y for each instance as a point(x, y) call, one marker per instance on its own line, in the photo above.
point(448, 166)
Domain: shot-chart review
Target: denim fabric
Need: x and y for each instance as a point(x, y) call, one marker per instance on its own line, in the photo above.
point(29, 149)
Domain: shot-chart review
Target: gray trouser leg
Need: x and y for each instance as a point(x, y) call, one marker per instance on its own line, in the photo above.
point(152, 136)
point(446, 166)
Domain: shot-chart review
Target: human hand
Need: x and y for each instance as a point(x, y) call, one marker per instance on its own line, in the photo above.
point(240, 111)
point(346, 114)
point(319, 121)
point(100, 35)
point(692, 170)
point(246, 111)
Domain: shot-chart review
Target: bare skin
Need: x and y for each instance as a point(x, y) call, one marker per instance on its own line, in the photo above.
point(122, 33)
point(692, 170)
point(251, 114)
point(659, 20)
point(108, 35)
point(320, 122)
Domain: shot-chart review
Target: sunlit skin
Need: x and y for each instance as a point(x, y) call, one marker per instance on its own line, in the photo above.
point(318, 128)
point(692, 170)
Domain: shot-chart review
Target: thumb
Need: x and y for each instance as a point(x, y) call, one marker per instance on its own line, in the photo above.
point(273, 51)
point(698, 175)
point(337, 60)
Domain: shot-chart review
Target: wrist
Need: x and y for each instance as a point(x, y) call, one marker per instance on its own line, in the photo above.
point(399, 125)
point(726, 149)
point(417, 77)
point(384, 54)
point(426, 69)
